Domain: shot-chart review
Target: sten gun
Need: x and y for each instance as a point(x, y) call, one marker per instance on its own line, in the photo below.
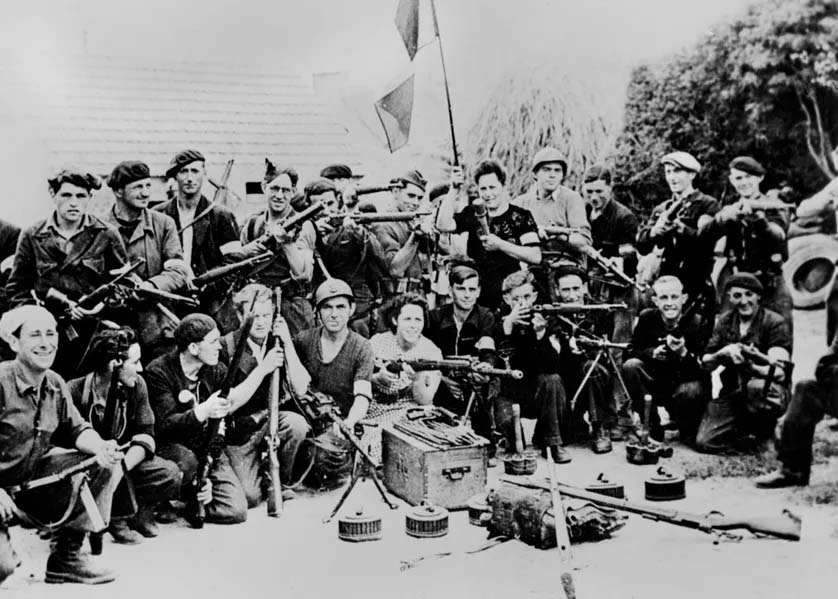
point(226, 270)
point(92, 301)
point(571, 308)
point(609, 266)
point(465, 364)
point(786, 526)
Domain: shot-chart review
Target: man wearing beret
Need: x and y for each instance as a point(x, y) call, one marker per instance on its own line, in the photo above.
point(754, 392)
point(343, 178)
point(37, 415)
point(813, 398)
point(72, 252)
point(348, 251)
point(184, 392)
point(673, 230)
point(150, 236)
point(755, 238)
point(210, 241)
point(407, 246)
point(292, 265)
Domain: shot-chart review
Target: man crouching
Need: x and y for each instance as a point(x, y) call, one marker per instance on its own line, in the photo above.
point(37, 415)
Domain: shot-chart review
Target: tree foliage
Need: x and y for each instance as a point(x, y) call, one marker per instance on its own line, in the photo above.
point(763, 85)
point(530, 110)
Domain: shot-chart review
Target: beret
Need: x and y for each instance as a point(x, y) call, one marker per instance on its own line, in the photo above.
point(76, 177)
point(547, 155)
point(193, 328)
point(128, 172)
point(413, 177)
point(440, 189)
point(318, 186)
point(336, 171)
point(564, 270)
point(682, 160)
point(12, 320)
point(746, 164)
point(745, 280)
point(181, 159)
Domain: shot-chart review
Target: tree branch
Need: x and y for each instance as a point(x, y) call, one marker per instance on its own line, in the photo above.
point(825, 150)
point(812, 152)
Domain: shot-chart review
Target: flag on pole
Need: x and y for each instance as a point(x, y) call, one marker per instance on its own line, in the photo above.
point(407, 22)
point(395, 111)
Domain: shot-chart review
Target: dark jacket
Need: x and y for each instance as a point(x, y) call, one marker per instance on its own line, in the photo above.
point(442, 330)
point(75, 267)
point(649, 333)
point(134, 420)
point(175, 420)
point(526, 353)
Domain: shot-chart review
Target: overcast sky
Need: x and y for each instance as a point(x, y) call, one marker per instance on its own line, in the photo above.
point(482, 38)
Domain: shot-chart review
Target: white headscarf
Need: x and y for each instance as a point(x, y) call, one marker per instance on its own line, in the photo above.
point(14, 319)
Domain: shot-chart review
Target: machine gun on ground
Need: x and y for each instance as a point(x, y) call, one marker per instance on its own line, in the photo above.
point(786, 526)
point(464, 365)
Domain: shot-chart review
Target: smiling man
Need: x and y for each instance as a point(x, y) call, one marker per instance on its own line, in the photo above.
point(748, 406)
point(152, 237)
point(663, 360)
point(36, 415)
point(72, 252)
point(293, 263)
point(512, 233)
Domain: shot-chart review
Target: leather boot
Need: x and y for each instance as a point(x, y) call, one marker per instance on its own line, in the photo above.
point(122, 534)
point(780, 479)
point(559, 454)
point(600, 443)
point(143, 522)
point(67, 564)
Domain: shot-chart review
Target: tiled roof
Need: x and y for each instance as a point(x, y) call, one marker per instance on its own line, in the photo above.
point(95, 111)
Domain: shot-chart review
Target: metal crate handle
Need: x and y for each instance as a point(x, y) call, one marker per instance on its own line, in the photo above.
point(456, 473)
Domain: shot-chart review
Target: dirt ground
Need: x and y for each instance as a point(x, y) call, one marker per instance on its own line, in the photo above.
point(299, 556)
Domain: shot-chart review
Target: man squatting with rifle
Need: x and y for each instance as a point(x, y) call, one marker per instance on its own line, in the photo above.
point(37, 415)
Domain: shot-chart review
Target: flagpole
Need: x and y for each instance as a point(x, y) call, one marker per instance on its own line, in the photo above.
point(445, 80)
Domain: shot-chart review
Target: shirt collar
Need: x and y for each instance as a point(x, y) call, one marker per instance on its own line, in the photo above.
point(24, 386)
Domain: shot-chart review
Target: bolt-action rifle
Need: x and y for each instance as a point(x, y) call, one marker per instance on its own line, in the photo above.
point(274, 502)
point(571, 308)
point(465, 364)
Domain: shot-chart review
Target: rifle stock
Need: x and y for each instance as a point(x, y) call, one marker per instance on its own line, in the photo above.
point(786, 526)
point(274, 502)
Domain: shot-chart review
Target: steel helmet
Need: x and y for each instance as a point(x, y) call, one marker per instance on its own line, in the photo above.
point(546, 155)
point(332, 288)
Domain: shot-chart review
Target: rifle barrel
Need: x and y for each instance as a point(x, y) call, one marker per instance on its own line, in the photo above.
point(566, 308)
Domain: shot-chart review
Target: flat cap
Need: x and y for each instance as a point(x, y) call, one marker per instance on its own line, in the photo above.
point(413, 177)
point(564, 270)
point(127, 172)
point(746, 164)
point(318, 186)
point(745, 280)
point(683, 160)
point(181, 159)
point(336, 171)
point(546, 156)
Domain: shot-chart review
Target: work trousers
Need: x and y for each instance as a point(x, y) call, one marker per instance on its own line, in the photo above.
point(541, 397)
point(810, 402)
point(246, 459)
point(229, 504)
point(154, 479)
point(47, 504)
point(741, 413)
point(684, 400)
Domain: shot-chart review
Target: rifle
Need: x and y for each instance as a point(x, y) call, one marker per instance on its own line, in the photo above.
point(363, 218)
point(465, 364)
point(609, 266)
point(213, 441)
point(482, 215)
point(764, 204)
point(297, 220)
point(160, 295)
point(219, 272)
point(570, 308)
point(91, 303)
point(274, 502)
point(786, 526)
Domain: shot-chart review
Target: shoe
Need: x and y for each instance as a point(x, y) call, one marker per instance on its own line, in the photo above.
point(780, 479)
point(288, 494)
point(144, 524)
point(617, 433)
point(67, 564)
point(601, 442)
point(122, 534)
point(559, 454)
point(165, 514)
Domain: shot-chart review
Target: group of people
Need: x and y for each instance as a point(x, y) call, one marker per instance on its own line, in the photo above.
point(122, 343)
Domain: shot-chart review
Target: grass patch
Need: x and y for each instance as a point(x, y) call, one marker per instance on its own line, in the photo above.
point(703, 466)
point(820, 494)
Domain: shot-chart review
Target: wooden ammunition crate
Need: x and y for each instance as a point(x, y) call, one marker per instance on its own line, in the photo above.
point(416, 471)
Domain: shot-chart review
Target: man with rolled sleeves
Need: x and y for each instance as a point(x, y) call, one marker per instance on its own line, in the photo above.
point(210, 241)
point(748, 405)
point(292, 265)
point(72, 252)
point(152, 237)
point(812, 399)
point(674, 230)
point(36, 416)
point(559, 213)
point(755, 238)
